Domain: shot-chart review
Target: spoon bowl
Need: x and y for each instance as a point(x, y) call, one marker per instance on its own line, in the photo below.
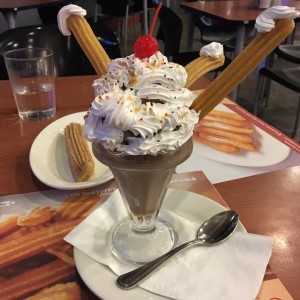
point(214, 230)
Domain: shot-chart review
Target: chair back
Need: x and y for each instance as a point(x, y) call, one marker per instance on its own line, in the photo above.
point(170, 31)
point(69, 58)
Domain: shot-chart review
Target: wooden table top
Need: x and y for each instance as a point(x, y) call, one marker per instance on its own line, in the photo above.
point(236, 10)
point(11, 4)
point(268, 204)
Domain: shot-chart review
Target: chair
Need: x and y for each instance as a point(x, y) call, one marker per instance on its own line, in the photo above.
point(213, 29)
point(69, 58)
point(289, 77)
point(118, 9)
point(170, 32)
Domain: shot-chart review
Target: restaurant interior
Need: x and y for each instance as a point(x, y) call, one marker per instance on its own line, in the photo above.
point(281, 116)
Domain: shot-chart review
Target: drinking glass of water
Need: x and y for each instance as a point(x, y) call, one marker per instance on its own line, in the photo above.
point(31, 74)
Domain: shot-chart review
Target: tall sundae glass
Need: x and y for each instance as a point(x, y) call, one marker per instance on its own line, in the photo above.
point(140, 126)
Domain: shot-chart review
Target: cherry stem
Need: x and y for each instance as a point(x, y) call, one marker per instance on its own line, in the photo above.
point(154, 18)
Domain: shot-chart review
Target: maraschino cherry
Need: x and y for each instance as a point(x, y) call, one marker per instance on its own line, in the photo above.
point(147, 45)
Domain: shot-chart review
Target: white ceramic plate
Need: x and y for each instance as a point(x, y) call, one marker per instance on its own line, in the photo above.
point(270, 150)
point(49, 162)
point(102, 281)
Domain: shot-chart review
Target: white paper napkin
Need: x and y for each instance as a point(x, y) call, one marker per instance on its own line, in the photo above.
point(230, 270)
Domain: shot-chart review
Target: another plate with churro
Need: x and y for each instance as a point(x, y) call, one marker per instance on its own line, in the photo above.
point(61, 158)
point(225, 136)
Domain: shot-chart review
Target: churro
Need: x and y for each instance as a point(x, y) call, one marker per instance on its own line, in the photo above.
point(63, 251)
point(215, 145)
point(234, 136)
point(226, 141)
point(60, 291)
point(72, 17)
point(26, 283)
point(35, 242)
point(77, 207)
point(211, 58)
point(39, 215)
point(200, 66)
point(80, 159)
point(8, 226)
point(262, 45)
point(224, 126)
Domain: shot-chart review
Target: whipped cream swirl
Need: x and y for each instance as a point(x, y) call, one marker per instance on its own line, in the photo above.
point(141, 107)
point(65, 13)
point(265, 21)
point(214, 50)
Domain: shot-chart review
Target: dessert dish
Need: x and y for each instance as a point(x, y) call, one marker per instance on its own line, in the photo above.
point(72, 17)
point(270, 35)
point(80, 159)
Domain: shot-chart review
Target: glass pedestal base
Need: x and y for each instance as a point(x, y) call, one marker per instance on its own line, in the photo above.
point(139, 247)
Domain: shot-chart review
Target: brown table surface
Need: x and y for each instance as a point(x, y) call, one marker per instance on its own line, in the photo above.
point(236, 10)
point(11, 4)
point(268, 204)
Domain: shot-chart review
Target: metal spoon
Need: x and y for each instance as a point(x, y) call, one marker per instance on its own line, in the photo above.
point(212, 231)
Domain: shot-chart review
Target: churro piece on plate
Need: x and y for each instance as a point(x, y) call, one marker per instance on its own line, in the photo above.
point(35, 242)
point(60, 291)
point(26, 283)
point(80, 159)
point(225, 127)
point(261, 46)
point(244, 138)
point(226, 114)
point(71, 17)
point(226, 141)
point(215, 145)
point(211, 58)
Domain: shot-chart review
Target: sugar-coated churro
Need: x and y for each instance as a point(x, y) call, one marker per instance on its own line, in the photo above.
point(24, 284)
point(80, 159)
point(60, 291)
point(262, 45)
point(35, 242)
point(72, 17)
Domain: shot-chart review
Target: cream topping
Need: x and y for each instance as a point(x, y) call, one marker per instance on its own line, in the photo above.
point(63, 15)
point(265, 21)
point(141, 107)
point(214, 50)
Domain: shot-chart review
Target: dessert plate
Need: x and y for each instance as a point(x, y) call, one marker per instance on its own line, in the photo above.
point(102, 281)
point(49, 161)
point(269, 152)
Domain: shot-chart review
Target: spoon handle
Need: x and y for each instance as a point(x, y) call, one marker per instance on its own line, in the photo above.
point(130, 279)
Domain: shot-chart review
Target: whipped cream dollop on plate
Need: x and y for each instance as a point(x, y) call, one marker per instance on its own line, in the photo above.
point(141, 106)
point(265, 22)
